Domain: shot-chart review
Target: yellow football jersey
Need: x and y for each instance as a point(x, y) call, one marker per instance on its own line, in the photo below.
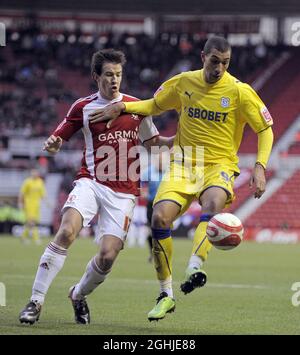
point(212, 115)
point(33, 190)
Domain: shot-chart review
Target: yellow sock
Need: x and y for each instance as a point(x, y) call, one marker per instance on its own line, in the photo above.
point(35, 234)
point(201, 245)
point(25, 233)
point(162, 255)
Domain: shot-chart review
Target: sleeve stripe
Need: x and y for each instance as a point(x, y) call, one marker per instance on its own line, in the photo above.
point(264, 129)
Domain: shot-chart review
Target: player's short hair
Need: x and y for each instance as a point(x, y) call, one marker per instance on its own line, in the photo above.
point(217, 42)
point(106, 55)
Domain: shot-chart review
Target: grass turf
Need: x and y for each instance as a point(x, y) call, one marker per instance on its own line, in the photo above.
point(248, 292)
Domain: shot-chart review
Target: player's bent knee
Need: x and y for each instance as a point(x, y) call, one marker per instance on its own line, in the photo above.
point(160, 220)
point(213, 206)
point(106, 259)
point(65, 235)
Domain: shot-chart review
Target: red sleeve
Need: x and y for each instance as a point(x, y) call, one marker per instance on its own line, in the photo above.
point(72, 123)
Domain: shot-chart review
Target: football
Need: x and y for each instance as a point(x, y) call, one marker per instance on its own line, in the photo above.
point(225, 231)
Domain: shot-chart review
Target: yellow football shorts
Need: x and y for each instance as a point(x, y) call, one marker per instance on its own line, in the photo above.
point(32, 212)
point(185, 184)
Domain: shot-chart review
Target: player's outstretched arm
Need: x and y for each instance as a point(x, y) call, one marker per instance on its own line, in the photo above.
point(53, 144)
point(111, 112)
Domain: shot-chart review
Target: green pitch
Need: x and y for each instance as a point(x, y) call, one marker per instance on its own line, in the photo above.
point(248, 292)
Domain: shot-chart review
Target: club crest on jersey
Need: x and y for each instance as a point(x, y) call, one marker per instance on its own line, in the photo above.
point(135, 117)
point(225, 102)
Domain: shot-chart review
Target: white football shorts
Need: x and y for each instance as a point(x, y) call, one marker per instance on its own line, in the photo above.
point(114, 209)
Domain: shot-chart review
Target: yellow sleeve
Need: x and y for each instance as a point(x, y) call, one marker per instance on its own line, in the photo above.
point(265, 142)
point(165, 98)
point(253, 110)
point(144, 107)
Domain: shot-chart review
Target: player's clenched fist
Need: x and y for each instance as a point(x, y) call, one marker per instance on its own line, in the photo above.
point(53, 144)
point(258, 180)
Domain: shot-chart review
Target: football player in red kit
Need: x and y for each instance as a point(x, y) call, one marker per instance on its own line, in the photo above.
point(106, 185)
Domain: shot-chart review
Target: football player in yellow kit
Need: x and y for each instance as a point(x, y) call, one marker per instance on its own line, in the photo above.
point(31, 193)
point(214, 108)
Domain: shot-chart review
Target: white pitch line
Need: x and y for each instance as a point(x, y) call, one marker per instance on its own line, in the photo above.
point(138, 281)
point(259, 287)
point(215, 285)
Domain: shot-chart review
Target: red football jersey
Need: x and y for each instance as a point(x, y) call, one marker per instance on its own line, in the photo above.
point(110, 155)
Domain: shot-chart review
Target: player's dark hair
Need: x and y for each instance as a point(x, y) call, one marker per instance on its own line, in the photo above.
point(106, 55)
point(217, 42)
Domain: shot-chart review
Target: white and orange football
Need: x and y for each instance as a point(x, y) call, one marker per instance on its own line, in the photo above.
point(225, 231)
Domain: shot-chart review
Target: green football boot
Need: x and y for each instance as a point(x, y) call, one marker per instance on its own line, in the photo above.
point(164, 305)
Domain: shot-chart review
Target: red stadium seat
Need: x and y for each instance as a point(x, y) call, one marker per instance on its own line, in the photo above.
point(281, 209)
